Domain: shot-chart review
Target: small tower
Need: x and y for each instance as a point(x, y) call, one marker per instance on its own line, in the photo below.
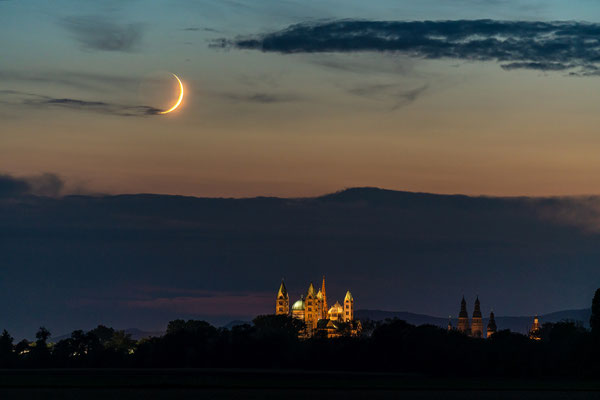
point(311, 309)
point(477, 322)
point(450, 327)
point(463, 318)
point(325, 309)
point(320, 305)
point(282, 306)
point(491, 326)
point(534, 332)
point(348, 307)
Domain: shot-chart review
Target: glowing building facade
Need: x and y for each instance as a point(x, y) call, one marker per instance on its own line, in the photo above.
point(534, 332)
point(318, 318)
point(474, 327)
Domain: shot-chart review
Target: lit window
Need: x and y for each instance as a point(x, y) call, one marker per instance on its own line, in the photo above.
point(280, 309)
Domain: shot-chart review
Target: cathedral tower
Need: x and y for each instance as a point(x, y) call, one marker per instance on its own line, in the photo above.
point(325, 308)
point(534, 332)
point(491, 327)
point(477, 323)
point(320, 305)
point(311, 317)
point(282, 306)
point(463, 318)
point(348, 307)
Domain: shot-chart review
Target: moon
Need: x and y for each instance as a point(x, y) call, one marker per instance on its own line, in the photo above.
point(178, 100)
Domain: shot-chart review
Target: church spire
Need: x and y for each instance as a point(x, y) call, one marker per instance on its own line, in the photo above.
point(282, 290)
point(491, 327)
point(282, 303)
point(477, 309)
point(463, 309)
point(324, 293)
point(463, 318)
point(477, 321)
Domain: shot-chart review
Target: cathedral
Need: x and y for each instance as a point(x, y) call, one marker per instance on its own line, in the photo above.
point(319, 319)
point(474, 327)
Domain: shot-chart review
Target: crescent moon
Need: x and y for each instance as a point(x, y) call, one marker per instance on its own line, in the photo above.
point(178, 100)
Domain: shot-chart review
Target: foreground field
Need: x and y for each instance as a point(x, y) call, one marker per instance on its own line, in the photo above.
point(244, 384)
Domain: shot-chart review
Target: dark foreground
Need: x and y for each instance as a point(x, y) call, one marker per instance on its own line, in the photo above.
point(243, 384)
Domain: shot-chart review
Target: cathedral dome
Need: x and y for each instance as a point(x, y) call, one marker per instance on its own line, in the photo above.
point(337, 308)
point(299, 305)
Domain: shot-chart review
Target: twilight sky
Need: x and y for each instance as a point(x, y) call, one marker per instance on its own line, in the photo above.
point(295, 99)
point(503, 107)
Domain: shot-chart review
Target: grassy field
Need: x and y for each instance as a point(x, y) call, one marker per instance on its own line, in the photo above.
point(252, 384)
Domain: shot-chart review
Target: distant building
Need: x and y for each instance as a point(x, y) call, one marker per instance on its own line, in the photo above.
point(491, 326)
point(463, 318)
point(319, 320)
point(473, 327)
point(477, 321)
point(282, 307)
point(534, 332)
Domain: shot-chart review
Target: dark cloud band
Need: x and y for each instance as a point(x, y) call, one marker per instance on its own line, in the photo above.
point(547, 46)
point(36, 100)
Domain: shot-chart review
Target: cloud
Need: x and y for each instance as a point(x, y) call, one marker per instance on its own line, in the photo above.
point(386, 91)
point(37, 100)
point(50, 185)
point(546, 46)
point(78, 80)
point(99, 33)
point(203, 302)
point(261, 97)
point(582, 212)
point(197, 29)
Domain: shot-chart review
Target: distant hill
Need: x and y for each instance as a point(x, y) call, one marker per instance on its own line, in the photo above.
point(516, 324)
point(136, 334)
point(236, 323)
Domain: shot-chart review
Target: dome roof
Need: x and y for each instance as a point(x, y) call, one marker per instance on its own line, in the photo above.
point(299, 305)
point(337, 308)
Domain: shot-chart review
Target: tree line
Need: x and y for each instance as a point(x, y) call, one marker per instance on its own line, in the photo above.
point(565, 349)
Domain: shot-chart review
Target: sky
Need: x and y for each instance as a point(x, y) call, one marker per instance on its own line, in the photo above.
point(295, 99)
point(297, 122)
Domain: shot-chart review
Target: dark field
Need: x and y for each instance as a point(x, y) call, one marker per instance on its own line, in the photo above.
point(239, 384)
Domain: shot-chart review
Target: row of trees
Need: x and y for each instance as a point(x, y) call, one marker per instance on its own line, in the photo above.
point(565, 349)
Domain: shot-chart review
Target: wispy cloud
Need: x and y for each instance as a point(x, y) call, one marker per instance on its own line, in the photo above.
point(389, 91)
point(582, 212)
point(12, 97)
point(46, 184)
point(79, 80)
point(547, 46)
point(100, 33)
point(261, 97)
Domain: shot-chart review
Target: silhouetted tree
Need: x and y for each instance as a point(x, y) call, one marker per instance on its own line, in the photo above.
point(278, 325)
point(595, 317)
point(40, 354)
point(6, 350)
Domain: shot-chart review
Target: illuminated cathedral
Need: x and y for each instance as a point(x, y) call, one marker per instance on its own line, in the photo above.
point(313, 310)
point(474, 327)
